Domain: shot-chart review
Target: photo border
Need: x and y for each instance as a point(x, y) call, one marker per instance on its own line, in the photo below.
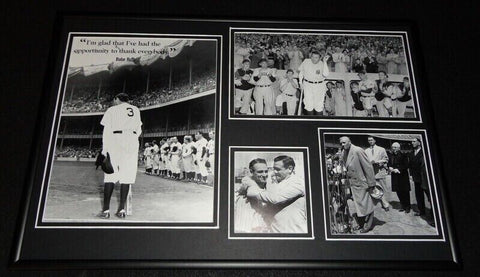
point(436, 207)
point(260, 236)
point(60, 95)
point(402, 34)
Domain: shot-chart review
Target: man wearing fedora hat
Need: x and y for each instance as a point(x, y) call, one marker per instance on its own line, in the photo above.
point(263, 93)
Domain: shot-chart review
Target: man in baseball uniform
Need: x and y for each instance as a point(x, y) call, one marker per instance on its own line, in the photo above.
point(312, 75)
point(200, 157)
point(168, 158)
point(147, 157)
point(263, 93)
point(288, 87)
point(187, 157)
point(243, 88)
point(175, 152)
point(164, 155)
point(156, 157)
point(366, 87)
point(161, 162)
point(211, 151)
point(121, 128)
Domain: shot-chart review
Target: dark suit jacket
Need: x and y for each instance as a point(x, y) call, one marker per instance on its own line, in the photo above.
point(416, 166)
point(400, 181)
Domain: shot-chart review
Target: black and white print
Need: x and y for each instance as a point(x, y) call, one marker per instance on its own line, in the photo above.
point(378, 185)
point(269, 193)
point(148, 102)
point(321, 75)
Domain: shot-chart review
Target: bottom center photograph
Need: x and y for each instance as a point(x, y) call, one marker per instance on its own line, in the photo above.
point(269, 193)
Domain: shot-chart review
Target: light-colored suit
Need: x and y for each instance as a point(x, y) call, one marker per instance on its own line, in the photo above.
point(361, 176)
point(288, 205)
point(378, 155)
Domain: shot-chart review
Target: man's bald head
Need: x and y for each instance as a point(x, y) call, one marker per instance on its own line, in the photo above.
point(345, 142)
point(395, 147)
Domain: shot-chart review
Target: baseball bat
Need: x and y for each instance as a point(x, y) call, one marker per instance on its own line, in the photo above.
point(300, 102)
point(129, 201)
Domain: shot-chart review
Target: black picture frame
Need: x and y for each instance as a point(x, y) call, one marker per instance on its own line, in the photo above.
point(211, 248)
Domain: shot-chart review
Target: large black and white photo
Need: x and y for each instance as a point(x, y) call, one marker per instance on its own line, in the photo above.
point(320, 74)
point(147, 103)
point(270, 193)
point(378, 184)
point(310, 145)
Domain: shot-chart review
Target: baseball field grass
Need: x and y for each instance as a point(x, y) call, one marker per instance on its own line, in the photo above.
point(75, 194)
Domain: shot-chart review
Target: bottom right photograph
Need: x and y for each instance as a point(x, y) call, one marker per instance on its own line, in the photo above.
point(378, 183)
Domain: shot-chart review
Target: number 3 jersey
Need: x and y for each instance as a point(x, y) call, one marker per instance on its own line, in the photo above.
point(122, 126)
point(123, 117)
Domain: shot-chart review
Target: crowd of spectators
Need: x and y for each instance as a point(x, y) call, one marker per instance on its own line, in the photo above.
point(156, 95)
point(76, 152)
point(199, 126)
point(348, 53)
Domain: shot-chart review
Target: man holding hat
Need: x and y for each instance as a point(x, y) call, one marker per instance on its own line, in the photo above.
point(377, 155)
point(122, 126)
point(288, 87)
point(366, 87)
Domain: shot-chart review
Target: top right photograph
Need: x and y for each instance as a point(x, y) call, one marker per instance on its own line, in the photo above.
point(321, 75)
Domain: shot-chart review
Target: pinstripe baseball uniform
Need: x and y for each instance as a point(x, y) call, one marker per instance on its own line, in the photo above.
point(201, 156)
point(121, 129)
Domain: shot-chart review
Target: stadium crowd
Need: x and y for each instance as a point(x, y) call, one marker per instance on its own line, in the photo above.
point(157, 95)
point(199, 126)
point(347, 53)
point(76, 152)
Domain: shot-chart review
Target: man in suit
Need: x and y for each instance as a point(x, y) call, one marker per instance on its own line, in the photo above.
point(361, 178)
point(398, 166)
point(377, 155)
point(418, 172)
point(286, 199)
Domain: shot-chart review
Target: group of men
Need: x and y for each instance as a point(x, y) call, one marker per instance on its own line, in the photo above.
point(319, 96)
point(389, 99)
point(190, 161)
point(258, 83)
point(368, 168)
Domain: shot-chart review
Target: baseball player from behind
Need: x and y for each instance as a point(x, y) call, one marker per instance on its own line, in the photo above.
point(121, 129)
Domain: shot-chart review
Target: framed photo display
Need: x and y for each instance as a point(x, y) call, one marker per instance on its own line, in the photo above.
point(167, 142)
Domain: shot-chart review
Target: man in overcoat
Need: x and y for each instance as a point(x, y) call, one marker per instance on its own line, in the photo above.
point(418, 172)
point(398, 167)
point(361, 178)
